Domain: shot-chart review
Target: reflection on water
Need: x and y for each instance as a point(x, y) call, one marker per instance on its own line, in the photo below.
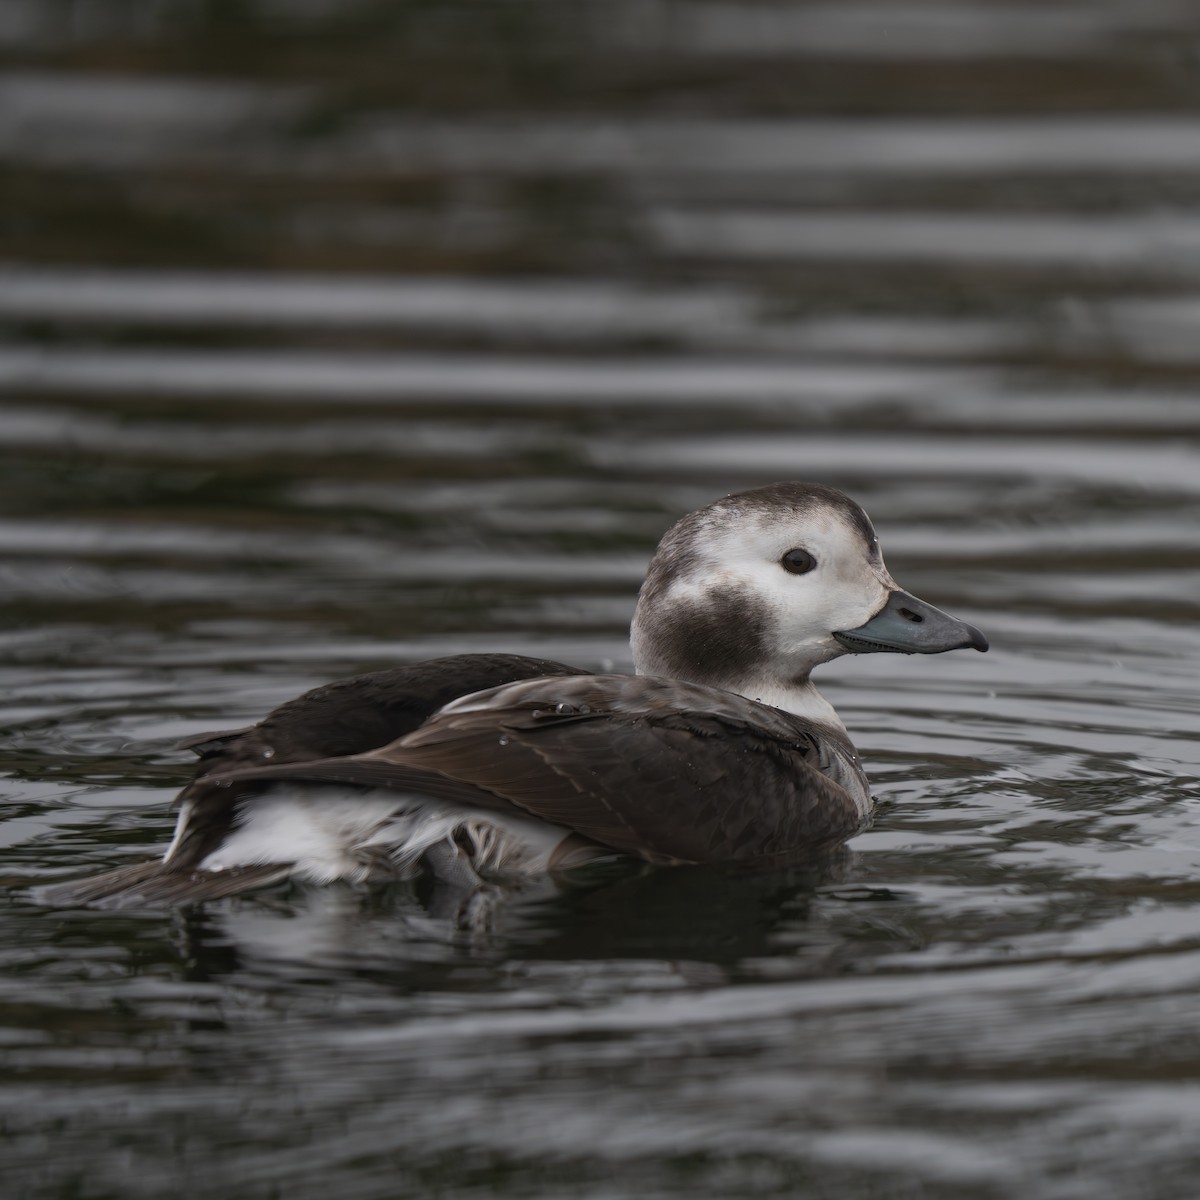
point(336, 335)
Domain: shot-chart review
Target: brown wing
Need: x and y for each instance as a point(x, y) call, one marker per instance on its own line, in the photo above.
point(340, 719)
point(351, 716)
point(666, 771)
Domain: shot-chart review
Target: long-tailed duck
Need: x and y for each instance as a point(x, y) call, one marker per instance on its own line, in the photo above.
point(485, 767)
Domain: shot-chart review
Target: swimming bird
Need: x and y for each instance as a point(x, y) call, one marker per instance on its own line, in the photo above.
point(481, 768)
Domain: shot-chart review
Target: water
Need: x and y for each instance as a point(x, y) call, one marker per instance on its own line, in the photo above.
point(335, 336)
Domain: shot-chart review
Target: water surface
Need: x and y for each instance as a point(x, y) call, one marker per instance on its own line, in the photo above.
point(337, 336)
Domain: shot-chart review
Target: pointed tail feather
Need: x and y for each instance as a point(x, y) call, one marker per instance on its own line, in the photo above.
point(154, 883)
point(359, 771)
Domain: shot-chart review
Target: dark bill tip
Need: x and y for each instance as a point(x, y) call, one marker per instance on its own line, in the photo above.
point(906, 625)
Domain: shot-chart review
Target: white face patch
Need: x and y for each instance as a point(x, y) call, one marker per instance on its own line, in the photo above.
point(730, 556)
point(843, 590)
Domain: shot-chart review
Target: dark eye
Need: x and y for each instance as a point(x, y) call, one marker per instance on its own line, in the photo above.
point(798, 562)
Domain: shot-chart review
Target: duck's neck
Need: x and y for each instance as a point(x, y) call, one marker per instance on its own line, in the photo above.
point(675, 637)
point(799, 697)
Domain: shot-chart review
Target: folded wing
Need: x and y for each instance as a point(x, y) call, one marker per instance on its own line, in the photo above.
point(668, 772)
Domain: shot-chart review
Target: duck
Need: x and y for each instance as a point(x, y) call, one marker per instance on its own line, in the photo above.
point(479, 769)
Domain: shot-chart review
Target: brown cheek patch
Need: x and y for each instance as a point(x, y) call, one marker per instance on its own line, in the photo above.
point(720, 640)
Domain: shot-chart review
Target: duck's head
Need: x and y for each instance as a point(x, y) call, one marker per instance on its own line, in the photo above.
point(753, 591)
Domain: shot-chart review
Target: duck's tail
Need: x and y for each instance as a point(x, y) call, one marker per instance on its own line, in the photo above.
point(156, 883)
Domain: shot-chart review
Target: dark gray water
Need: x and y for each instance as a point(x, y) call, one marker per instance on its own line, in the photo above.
point(340, 335)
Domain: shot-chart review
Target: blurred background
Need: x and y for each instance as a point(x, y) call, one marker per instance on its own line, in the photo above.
point(340, 333)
